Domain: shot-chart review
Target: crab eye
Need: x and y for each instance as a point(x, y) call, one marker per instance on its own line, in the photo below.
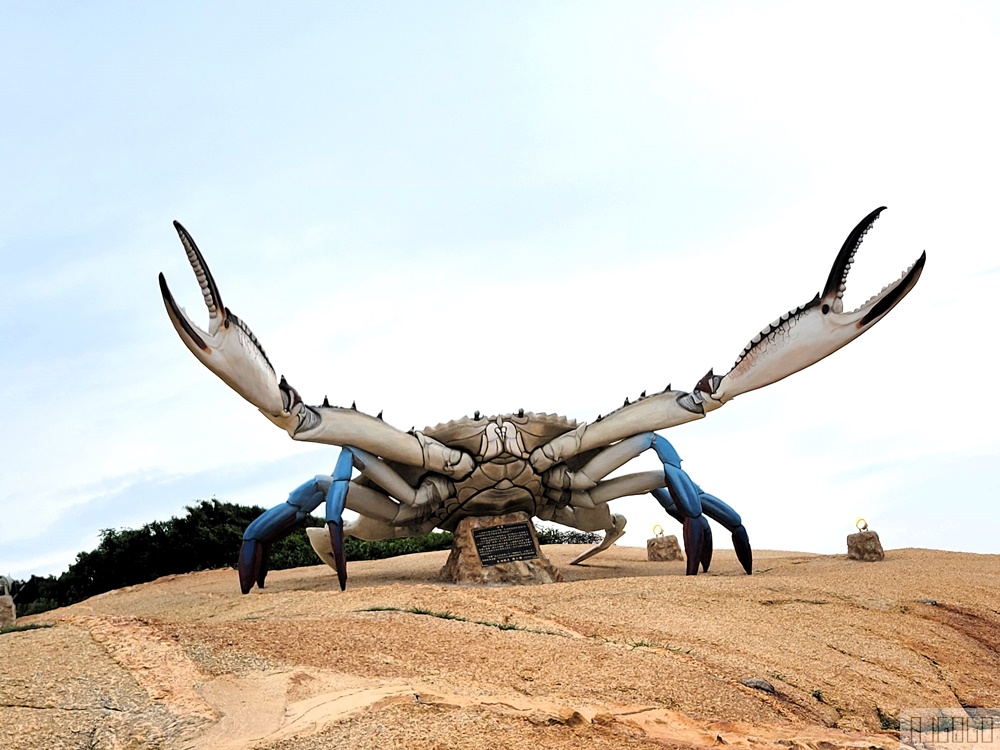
point(826, 309)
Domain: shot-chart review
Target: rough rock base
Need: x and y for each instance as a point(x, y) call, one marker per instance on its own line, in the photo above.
point(865, 546)
point(8, 612)
point(663, 549)
point(464, 565)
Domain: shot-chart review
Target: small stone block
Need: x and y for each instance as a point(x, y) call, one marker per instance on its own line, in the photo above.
point(465, 566)
point(8, 612)
point(663, 549)
point(864, 545)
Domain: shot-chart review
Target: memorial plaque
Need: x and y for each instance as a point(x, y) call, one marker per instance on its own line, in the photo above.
point(503, 544)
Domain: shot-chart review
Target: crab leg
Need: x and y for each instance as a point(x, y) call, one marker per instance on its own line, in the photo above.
point(598, 518)
point(276, 524)
point(336, 498)
point(231, 350)
point(794, 341)
point(380, 517)
point(432, 488)
point(718, 511)
point(686, 500)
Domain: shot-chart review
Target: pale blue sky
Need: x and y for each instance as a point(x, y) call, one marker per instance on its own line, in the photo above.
point(433, 208)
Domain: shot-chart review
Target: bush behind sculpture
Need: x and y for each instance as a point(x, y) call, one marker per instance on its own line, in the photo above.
point(207, 537)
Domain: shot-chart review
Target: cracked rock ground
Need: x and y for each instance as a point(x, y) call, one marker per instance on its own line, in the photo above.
point(624, 654)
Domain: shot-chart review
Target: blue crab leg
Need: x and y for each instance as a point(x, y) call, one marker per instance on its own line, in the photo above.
point(687, 499)
point(276, 523)
point(272, 525)
point(336, 499)
point(720, 512)
point(586, 488)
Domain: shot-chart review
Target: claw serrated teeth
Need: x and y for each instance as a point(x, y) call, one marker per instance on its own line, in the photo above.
point(885, 288)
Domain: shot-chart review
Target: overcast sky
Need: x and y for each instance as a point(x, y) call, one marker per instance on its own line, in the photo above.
point(433, 208)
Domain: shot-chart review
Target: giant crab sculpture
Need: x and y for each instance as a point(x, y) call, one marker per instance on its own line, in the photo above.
point(549, 466)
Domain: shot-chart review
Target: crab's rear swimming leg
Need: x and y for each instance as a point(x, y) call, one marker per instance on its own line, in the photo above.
point(588, 489)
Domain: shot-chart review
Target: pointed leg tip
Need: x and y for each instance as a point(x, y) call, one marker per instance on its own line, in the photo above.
point(744, 553)
point(586, 554)
point(707, 546)
point(336, 531)
point(697, 544)
point(692, 546)
point(252, 568)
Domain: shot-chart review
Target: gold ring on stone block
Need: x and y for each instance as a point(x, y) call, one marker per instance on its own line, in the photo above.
point(861, 524)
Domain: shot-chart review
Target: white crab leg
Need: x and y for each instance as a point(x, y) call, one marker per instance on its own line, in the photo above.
point(432, 488)
point(605, 462)
point(230, 350)
point(638, 483)
point(657, 412)
point(815, 330)
point(590, 519)
point(611, 535)
point(791, 343)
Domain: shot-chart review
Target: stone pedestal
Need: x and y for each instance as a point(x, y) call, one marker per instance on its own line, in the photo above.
point(502, 541)
point(864, 545)
point(663, 549)
point(8, 612)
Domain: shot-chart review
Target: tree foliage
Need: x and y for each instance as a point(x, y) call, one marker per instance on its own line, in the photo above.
point(207, 537)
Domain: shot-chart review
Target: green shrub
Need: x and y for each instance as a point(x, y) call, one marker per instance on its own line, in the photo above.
point(208, 536)
point(550, 535)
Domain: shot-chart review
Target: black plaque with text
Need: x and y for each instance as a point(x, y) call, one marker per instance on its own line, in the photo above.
point(503, 544)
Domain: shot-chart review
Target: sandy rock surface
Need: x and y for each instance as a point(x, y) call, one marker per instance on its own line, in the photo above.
point(625, 654)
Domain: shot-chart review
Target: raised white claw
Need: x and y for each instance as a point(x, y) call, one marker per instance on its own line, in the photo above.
point(816, 329)
point(228, 348)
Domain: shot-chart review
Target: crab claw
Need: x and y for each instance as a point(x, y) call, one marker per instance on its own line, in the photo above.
point(228, 348)
point(813, 331)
